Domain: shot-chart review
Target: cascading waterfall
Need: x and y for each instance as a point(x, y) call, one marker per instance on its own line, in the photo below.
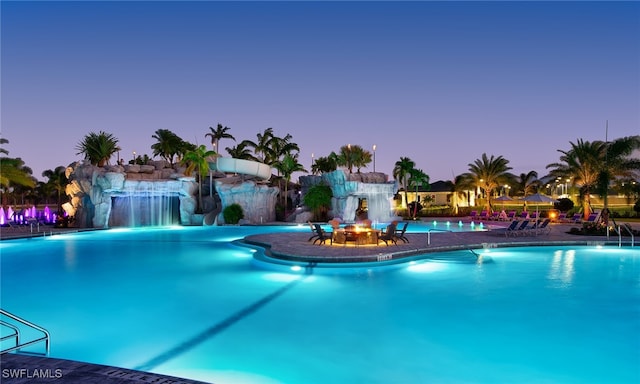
point(149, 204)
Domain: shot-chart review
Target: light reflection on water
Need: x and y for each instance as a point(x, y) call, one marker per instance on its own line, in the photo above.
point(199, 306)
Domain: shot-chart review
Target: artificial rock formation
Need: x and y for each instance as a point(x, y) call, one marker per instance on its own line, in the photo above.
point(257, 200)
point(349, 188)
point(92, 190)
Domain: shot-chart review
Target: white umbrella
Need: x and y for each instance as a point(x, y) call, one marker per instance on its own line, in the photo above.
point(538, 198)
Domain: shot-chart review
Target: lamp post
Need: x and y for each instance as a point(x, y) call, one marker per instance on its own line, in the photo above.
point(374, 158)
point(134, 157)
point(312, 163)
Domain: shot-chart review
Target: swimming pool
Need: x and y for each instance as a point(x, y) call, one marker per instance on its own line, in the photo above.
point(191, 303)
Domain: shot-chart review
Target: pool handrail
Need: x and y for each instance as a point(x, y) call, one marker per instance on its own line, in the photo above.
point(46, 338)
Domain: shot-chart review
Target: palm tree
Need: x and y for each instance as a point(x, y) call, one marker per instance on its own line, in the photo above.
point(323, 165)
point(279, 147)
point(488, 173)
point(219, 133)
point(168, 145)
point(287, 167)
point(57, 181)
point(241, 151)
point(401, 171)
point(262, 147)
point(417, 178)
point(592, 166)
point(527, 184)
point(196, 160)
point(458, 190)
point(98, 147)
point(617, 164)
point(360, 157)
point(580, 165)
point(13, 171)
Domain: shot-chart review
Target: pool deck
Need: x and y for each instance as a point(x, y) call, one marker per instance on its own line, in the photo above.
point(286, 248)
point(297, 247)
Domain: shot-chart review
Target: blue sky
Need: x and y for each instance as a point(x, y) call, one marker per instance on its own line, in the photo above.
point(438, 82)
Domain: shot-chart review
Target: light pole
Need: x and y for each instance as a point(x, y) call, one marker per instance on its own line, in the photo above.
point(134, 157)
point(374, 158)
point(312, 163)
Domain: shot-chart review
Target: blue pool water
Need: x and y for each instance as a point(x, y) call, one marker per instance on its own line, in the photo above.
point(191, 303)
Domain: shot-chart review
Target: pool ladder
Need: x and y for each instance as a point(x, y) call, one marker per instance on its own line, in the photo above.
point(15, 333)
point(619, 231)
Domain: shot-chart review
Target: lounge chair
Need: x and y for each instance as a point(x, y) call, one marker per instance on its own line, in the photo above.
point(520, 229)
point(473, 215)
point(389, 234)
point(576, 218)
point(543, 228)
point(512, 227)
point(524, 215)
point(323, 236)
point(562, 217)
point(512, 215)
point(593, 217)
point(400, 235)
point(484, 215)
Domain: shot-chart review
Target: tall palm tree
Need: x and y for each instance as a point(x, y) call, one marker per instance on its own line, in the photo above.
point(57, 180)
point(262, 147)
point(527, 184)
point(196, 160)
point(417, 178)
point(287, 166)
point(218, 133)
point(488, 173)
point(459, 190)
point(168, 145)
point(617, 164)
point(98, 147)
point(592, 166)
point(401, 172)
point(279, 147)
point(580, 164)
point(241, 151)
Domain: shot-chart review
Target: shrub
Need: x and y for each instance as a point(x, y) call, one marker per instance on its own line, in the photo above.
point(232, 214)
point(318, 199)
point(563, 205)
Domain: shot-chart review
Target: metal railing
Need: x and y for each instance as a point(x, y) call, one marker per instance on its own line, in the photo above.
point(46, 338)
point(619, 231)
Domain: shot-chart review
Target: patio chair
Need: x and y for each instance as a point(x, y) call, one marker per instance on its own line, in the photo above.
point(313, 230)
point(484, 215)
point(323, 236)
point(473, 215)
point(389, 234)
point(562, 217)
point(512, 215)
point(400, 234)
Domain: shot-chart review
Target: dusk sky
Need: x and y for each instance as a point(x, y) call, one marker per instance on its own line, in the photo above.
point(438, 82)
